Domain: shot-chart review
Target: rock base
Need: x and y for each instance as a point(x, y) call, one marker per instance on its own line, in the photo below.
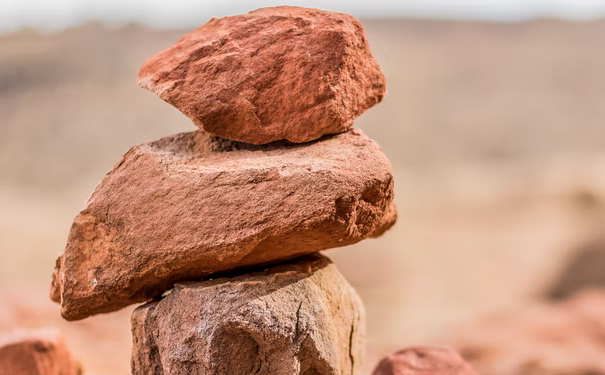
point(300, 317)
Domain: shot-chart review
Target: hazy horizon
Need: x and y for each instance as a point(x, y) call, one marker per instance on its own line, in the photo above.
point(50, 15)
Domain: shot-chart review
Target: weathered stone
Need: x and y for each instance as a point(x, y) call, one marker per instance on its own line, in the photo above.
point(300, 317)
point(388, 220)
point(272, 74)
point(424, 360)
point(190, 205)
point(36, 352)
point(548, 338)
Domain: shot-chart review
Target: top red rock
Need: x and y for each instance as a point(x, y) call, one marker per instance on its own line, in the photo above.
point(275, 73)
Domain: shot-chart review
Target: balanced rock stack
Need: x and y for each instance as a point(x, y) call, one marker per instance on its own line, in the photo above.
point(220, 227)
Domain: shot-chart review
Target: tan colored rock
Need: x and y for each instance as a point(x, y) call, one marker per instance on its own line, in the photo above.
point(424, 360)
point(300, 317)
point(36, 352)
point(272, 74)
point(564, 338)
point(191, 205)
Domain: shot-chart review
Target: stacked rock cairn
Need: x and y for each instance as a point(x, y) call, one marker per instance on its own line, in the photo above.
point(218, 230)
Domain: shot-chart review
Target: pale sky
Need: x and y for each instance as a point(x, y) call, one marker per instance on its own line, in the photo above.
point(59, 14)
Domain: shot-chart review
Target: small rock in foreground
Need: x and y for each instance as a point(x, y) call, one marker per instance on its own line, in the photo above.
point(36, 352)
point(300, 317)
point(424, 360)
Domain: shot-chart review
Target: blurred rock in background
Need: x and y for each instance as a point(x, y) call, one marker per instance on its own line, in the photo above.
point(585, 269)
point(546, 338)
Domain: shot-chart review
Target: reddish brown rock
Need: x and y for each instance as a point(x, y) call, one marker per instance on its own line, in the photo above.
point(424, 360)
point(190, 205)
point(551, 338)
point(296, 318)
point(272, 74)
point(36, 352)
point(387, 222)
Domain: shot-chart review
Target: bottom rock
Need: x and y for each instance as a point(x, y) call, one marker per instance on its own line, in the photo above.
point(36, 352)
point(300, 317)
point(424, 360)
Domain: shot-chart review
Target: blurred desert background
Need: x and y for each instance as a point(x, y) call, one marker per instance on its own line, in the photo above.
point(496, 134)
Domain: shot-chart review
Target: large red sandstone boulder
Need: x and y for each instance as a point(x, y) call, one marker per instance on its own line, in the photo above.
point(424, 360)
point(295, 318)
point(564, 338)
point(191, 205)
point(36, 352)
point(272, 74)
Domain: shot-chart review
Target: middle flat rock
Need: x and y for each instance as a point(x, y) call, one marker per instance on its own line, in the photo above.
point(191, 205)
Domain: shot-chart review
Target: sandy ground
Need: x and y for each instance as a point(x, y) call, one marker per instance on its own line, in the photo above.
point(495, 133)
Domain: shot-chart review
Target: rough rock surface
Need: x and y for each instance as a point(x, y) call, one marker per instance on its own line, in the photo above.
point(191, 205)
point(296, 318)
point(424, 360)
point(36, 352)
point(272, 74)
point(388, 220)
point(564, 338)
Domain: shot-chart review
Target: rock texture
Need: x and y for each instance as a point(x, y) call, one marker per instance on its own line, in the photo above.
point(36, 352)
point(424, 360)
point(388, 220)
point(272, 74)
point(191, 205)
point(296, 318)
point(555, 338)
